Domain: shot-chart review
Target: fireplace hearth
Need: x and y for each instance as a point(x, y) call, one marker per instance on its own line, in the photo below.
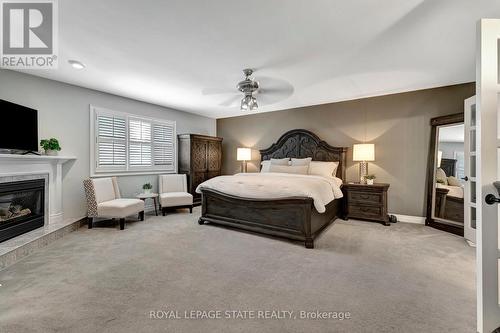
point(21, 207)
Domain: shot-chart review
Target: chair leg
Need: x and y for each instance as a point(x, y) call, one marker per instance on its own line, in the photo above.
point(309, 243)
point(191, 209)
point(122, 224)
point(164, 211)
point(90, 220)
point(141, 216)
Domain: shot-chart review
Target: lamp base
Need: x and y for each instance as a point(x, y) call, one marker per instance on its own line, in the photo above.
point(363, 172)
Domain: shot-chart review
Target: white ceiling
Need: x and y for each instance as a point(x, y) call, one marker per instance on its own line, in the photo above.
point(454, 133)
point(172, 53)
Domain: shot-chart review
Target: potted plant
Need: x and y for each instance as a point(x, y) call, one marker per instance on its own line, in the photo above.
point(370, 179)
point(51, 146)
point(147, 188)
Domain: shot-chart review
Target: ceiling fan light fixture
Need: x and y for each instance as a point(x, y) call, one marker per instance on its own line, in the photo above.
point(244, 105)
point(248, 86)
point(253, 105)
point(249, 103)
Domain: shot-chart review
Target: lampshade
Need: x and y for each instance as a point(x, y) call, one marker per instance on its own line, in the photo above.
point(243, 154)
point(440, 156)
point(363, 152)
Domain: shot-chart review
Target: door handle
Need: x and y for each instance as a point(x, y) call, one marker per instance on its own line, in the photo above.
point(465, 178)
point(491, 198)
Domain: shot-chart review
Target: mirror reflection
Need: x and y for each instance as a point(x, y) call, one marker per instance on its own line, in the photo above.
point(449, 175)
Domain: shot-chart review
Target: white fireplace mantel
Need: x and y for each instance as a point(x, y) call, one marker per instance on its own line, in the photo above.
point(12, 165)
point(36, 158)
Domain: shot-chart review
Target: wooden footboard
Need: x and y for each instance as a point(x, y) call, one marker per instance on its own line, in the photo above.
point(293, 218)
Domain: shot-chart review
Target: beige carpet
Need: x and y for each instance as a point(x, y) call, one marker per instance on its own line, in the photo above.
point(402, 278)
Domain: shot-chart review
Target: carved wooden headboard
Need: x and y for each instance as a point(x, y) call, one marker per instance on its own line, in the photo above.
point(300, 143)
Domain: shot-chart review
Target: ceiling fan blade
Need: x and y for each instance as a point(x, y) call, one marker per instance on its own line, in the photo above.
point(279, 91)
point(273, 90)
point(270, 83)
point(217, 91)
point(263, 99)
point(231, 101)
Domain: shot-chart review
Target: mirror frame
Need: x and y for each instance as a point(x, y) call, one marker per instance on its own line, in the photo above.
point(451, 119)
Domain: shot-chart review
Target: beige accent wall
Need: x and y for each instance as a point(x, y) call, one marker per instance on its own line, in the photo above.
point(397, 124)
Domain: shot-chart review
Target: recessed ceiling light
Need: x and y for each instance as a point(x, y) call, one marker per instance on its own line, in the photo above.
point(76, 64)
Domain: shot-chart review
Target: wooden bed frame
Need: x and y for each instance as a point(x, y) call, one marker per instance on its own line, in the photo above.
point(293, 218)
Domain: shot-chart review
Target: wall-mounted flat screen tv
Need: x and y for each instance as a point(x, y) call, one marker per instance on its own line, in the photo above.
point(19, 130)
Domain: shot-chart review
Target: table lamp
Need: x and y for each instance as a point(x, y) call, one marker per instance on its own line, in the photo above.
point(244, 154)
point(363, 153)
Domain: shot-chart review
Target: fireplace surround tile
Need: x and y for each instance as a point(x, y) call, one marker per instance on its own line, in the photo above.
point(28, 167)
point(21, 246)
point(18, 167)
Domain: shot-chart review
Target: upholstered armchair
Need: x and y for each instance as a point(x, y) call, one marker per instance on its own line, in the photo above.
point(104, 201)
point(173, 193)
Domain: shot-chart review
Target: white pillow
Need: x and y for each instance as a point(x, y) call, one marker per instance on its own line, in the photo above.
point(441, 175)
point(325, 169)
point(265, 166)
point(280, 161)
point(298, 169)
point(301, 161)
point(453, 181)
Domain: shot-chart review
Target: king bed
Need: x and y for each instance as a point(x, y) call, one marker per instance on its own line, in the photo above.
point(294, 206)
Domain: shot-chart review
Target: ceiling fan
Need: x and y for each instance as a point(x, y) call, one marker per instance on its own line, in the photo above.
point(261, 90)
point(248, 86)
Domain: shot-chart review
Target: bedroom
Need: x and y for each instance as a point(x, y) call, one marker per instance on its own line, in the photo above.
point(243, 195)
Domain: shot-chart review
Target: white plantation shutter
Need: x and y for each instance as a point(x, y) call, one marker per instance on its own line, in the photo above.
point(140, 152)
point(164, 145)
point(126, 143)
point(111, 142)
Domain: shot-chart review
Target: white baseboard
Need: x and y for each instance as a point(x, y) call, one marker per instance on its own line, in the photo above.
point(410, 218)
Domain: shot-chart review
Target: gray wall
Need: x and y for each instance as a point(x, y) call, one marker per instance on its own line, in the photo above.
point(398, 125)
point(63, 113)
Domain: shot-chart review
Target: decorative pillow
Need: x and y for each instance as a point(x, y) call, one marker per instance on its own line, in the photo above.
point(453, 181)
point(266, 165)
point(441, 176)
point(280, 161)
point(298, 169)
point(301, 161)
point(325, 169)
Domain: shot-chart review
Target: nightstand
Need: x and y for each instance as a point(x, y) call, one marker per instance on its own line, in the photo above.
point(366, 202)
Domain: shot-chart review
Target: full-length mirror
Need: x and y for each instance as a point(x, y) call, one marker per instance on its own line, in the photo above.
point(447, 174)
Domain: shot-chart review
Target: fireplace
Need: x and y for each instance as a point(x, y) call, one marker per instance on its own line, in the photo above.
point(22, 207)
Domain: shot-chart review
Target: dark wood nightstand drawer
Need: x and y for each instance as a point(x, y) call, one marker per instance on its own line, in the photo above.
point(368, 212)
point(366, 202)
point(365, 197)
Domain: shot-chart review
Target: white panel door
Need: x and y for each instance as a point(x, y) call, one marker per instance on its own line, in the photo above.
point(488, 171)
point(470, 145)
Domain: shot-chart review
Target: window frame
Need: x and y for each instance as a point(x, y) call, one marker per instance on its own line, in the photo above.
point(127, 170)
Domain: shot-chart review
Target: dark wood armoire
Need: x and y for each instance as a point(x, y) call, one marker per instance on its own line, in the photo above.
point(200, 158)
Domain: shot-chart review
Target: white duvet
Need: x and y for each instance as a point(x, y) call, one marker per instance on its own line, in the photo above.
point(453, 191)
point(271, 185)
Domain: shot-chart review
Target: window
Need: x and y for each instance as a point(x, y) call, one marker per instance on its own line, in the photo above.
point(126, 143)
point(459, 156)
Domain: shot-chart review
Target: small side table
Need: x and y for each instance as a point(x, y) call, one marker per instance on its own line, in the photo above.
point(144, 196)
point(366, 202)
